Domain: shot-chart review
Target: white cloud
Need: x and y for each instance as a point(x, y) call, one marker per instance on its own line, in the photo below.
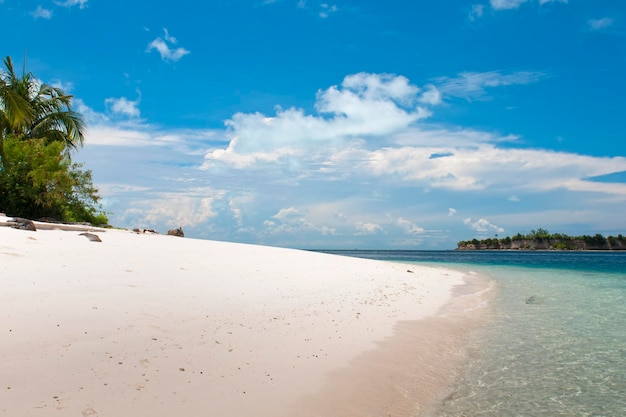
point(472, 85)
point(514, 199)
point(410, 227)
point(169, 38)
point(365, 104)
point(123, 106)
point(180, 210)
point(161, 45)
point(287, 213)
point(326, 10)
point(291, 220)
point(65, 86)
point(476, 11)
point(146, 208)
point(598, 24)
point(41, 13)
point(368, 228)
point(431, 95)
point(514, 4)
point(291, 177)
point(482, 226)
point(485, 166)
point(136, 133)
point(102, 131)
point(506, 4)
point(70, 3)
point(370, 134)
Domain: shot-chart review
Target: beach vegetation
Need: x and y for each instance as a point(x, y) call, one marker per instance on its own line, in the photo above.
point(542, 239)
point(38, 131)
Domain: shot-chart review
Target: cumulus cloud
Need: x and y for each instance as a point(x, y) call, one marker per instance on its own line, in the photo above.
point(409, 227)
point(368, 228)
point(598, 24)
point(368, 128)
point(287, 213)
point(333, 172)
point(164, 46)
point(482, 226)
point(123, 106)
point(364, 105)
point(431, 95)
point(41, 13)
point(291, 220)
point(180, 210)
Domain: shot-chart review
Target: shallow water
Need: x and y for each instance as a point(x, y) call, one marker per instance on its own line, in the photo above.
point(556, 344)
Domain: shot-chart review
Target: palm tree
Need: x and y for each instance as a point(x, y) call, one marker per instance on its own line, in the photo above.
point(38, 130)
point(15, 111)
point(30, 109)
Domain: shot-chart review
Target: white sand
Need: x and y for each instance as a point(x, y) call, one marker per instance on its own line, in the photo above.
point(151, 325)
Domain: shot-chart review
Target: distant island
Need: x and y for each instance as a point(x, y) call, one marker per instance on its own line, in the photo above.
point(540, 239)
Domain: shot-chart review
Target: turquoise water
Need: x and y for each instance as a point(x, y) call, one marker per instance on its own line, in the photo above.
point(556, 344)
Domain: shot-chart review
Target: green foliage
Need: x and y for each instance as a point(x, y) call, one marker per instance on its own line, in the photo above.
point(556, 240)
point(518, 236)
point(539, 234)
point(36, 181)
point(564, 246)
point(596, 240)
point(38, 129)
point(30, 109)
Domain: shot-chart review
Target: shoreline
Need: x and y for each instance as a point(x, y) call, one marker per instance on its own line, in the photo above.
point(411, 372)
point(164, 325)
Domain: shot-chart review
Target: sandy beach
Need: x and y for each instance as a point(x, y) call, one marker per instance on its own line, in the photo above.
point(144, 324)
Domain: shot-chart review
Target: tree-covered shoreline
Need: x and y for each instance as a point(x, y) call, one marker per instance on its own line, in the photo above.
point(541, 239)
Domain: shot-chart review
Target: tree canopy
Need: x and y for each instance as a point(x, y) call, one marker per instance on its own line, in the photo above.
point(38, 131)
point(544, 239)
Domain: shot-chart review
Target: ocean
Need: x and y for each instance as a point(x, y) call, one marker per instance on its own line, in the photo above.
point(556, 342)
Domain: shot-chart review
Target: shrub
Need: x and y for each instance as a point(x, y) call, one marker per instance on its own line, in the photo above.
point(37, 180)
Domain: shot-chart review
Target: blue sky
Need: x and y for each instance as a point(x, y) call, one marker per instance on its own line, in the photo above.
point(343, 124)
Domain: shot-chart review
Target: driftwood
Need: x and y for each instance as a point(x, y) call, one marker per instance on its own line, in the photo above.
point(21, 224)
point(26, 224)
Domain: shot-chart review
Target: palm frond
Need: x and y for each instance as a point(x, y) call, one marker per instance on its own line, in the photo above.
point(34, 110)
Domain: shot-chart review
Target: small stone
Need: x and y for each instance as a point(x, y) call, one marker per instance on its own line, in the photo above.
point(91, 237)
point(22, 224)
point(176, 232)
